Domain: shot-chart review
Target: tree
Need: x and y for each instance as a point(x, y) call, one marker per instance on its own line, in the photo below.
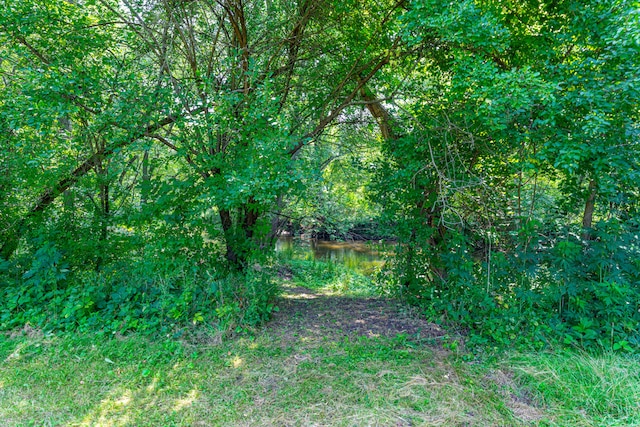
point(517, 126)
point(235, 89)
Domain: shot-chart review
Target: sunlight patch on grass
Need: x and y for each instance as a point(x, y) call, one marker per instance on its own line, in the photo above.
point(153, 386)
point(237, 362)
point(298, 296)
point(186, 401)
point(123, 400)
point(107, 416)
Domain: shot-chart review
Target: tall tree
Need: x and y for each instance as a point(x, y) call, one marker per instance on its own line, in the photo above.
point(236, 89)
point(501, 99)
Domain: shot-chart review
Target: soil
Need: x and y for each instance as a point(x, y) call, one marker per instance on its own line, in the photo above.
point(309, 314)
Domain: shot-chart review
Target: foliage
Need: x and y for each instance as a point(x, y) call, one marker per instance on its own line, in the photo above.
point(150, 153)
point(334, 205)
point(513, 172)
point(561, 290)
point(150, 297)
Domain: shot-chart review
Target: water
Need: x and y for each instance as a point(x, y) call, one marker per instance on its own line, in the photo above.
point(362, 256)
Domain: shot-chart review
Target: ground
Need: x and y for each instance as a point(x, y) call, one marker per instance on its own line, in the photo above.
point(325, 359)
point(321, 315)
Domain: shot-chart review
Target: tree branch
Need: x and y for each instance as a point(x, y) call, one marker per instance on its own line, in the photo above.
point(336, 111)
point(48, 196)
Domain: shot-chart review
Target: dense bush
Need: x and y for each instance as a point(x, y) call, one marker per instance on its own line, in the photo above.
point(560, 289)
point(154, 294)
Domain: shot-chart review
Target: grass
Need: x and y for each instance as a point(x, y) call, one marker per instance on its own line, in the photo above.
point(604, 388)
point(307, 368)
point(87, 381)
point(330, 278)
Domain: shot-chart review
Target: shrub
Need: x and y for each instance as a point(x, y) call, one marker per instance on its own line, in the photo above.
point(141, 295)
point(563, 288)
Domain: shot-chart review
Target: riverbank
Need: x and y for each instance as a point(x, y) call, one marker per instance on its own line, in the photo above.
point(333, 355)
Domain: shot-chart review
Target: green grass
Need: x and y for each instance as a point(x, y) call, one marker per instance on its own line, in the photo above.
point(330, 277)
point(605, 389)
point(132, 381)
point(81, 381)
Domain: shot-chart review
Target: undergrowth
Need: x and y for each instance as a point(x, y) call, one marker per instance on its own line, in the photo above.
point(560, 290)
point(143, 295)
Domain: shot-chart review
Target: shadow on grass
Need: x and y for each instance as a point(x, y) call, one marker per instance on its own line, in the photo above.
point(309, 315)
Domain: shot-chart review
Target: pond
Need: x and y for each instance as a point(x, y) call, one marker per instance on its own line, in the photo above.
point(364, 256)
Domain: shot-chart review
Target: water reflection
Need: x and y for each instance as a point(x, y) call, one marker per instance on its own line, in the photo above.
point(362, 256)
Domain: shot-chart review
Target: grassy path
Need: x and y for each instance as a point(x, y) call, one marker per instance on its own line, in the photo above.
point(325, 360)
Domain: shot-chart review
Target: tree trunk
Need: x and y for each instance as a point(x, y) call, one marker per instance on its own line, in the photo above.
point(589, 207)
point(229, 238)
point(240, 238)
point(430, 214)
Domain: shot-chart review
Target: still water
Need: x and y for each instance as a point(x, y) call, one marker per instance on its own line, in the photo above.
point(363, 256)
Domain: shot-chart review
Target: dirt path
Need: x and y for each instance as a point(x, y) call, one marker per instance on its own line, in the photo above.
point(308, 319)
point(313, 315)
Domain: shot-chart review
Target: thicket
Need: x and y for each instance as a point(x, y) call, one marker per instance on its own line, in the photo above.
point(530, 289)
point(518, 211)
point(155, 292)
